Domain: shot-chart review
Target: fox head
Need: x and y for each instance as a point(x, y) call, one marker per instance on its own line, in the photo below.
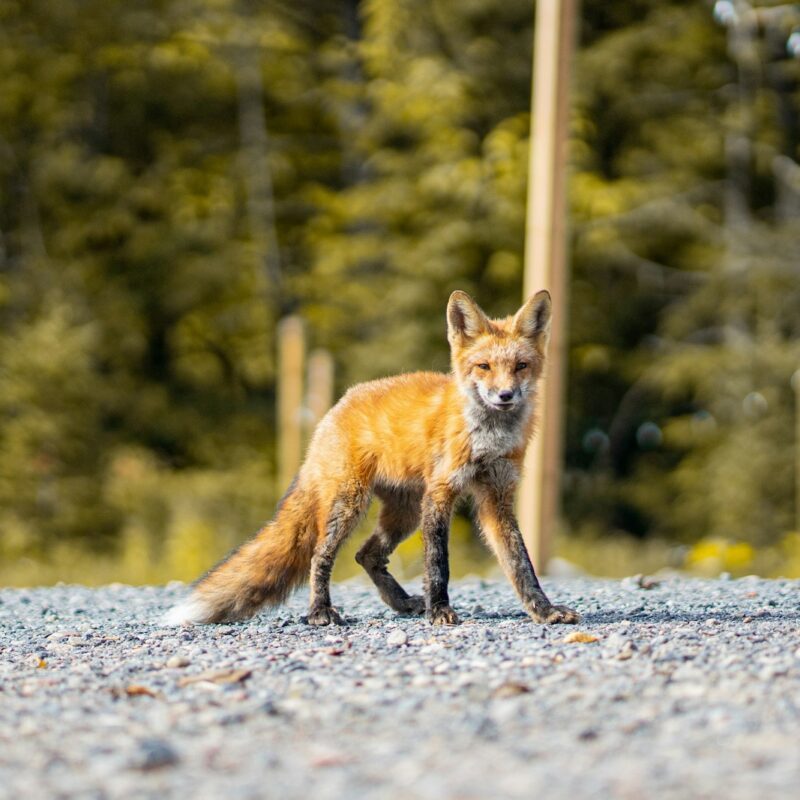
point(498, 362)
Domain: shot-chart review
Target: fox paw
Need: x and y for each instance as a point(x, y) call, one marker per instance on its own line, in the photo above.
point(555, 615)
point(414, 606)
point(324, 615)
point(442, 615)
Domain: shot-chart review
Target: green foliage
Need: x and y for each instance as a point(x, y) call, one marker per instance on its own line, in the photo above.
point(685, 310)
point(438, 200)
point(177, 175)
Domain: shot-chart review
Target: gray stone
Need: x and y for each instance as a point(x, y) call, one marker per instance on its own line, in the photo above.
point(154, 754)
point(397, 637)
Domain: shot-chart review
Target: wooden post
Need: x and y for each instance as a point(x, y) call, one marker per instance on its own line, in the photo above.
point(796, 387)
point(320, 387)
point(545, 264)
point(291, 347)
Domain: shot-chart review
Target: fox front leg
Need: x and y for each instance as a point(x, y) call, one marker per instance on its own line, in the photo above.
point(497, 520)
point(437, 508)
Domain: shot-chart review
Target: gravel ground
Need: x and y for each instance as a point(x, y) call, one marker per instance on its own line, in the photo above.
point(691, 689)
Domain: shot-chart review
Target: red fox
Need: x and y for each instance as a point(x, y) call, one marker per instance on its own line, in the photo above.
point(417, 441)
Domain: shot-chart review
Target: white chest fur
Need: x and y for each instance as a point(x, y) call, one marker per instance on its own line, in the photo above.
point(495, 434)
point(488, 465)
point(490, 442)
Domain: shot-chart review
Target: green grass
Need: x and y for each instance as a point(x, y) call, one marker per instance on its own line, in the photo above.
point(192, 547)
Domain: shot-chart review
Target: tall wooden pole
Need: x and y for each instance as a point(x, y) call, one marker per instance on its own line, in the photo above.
point(796, 387)
point(291, 350)
point(545, 264)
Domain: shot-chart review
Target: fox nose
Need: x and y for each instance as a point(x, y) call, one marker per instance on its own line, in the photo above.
point(505, 395)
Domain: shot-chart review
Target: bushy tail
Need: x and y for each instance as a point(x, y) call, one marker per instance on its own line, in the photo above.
point(262, 571)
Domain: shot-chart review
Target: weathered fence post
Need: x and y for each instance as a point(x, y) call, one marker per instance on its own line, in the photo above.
point(319, 397)
point(291, 353)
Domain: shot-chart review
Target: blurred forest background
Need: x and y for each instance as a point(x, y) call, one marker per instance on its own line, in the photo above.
point(176, 175)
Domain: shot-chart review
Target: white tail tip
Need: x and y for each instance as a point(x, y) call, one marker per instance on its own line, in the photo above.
point(192, 611)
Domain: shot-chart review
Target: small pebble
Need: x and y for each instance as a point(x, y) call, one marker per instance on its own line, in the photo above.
point(154, 754)
point(397, 638)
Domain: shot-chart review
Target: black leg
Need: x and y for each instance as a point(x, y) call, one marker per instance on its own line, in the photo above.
point(398, 519)
point(343, 518)
point(436, 512)
point(497, 521)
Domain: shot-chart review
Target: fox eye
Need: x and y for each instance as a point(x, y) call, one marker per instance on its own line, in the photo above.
point(521, 365)
point(483, 366)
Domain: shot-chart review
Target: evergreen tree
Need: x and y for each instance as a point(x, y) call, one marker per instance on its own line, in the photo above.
point(177, 175)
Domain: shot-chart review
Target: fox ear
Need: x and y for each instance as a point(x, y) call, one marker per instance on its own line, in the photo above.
point(533, 319)
point(465, 320)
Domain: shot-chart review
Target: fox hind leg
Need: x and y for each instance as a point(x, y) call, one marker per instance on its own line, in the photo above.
point(344, 515)
point(398, 519)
